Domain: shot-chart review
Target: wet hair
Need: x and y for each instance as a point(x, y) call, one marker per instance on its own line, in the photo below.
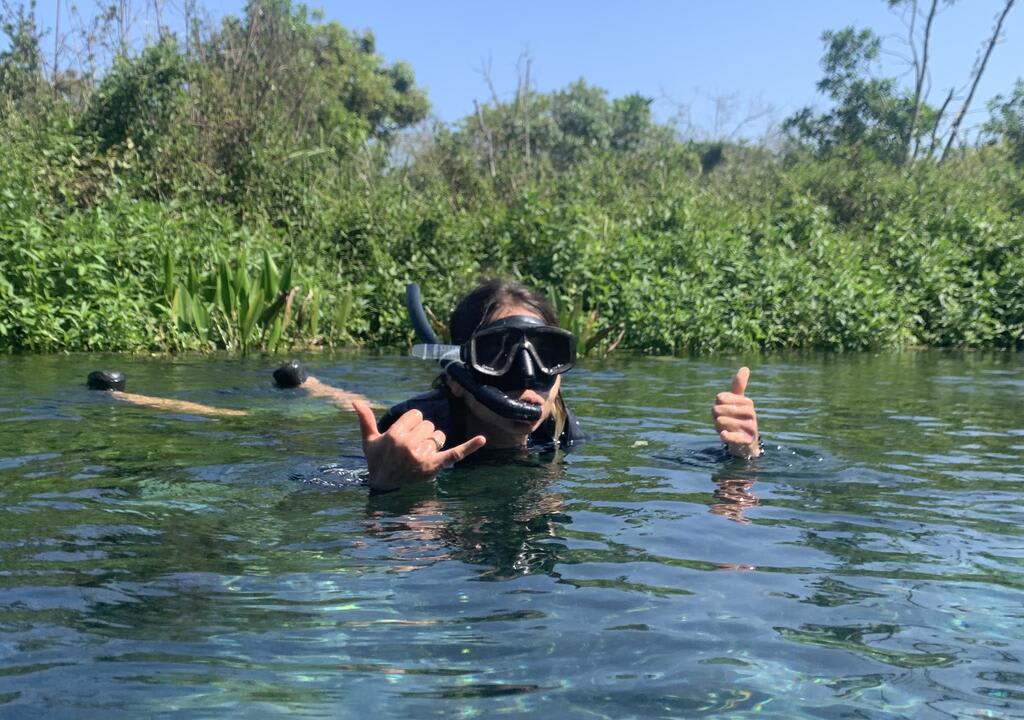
point(490, 296)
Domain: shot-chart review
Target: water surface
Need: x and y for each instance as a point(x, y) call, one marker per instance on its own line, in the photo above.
point(157, 564)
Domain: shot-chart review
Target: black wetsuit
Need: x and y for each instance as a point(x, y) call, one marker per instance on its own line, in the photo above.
point(449, 416)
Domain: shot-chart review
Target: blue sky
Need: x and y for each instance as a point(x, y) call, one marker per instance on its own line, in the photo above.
point(760, 53)
point(682, 53)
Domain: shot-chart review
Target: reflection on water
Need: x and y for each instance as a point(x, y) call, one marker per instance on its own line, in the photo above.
point(734, 495)
point(159, 564)
point(506, 525)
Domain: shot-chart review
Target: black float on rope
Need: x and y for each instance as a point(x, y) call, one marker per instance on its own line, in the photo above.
point(290, 375)
point(105, 380)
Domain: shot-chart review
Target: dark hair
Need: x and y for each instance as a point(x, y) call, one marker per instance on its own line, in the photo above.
point(476, 308)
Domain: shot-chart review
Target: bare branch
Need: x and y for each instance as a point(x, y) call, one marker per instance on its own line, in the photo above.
point(158, 15)
point(485, 73)
point(681, 115)
point(56, 48)
point(123, 26)
point(755, 111)
point(488, 140)
point(979, 71)
point(938, 121)
point(921, 71)
point(523, 103)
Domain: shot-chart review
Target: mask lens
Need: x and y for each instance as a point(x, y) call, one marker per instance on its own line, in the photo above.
point(493, 350)
point(555, 349)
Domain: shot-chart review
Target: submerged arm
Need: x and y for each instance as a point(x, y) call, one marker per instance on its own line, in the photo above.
point(294, 375)
point(342, 398)
point(179, 405)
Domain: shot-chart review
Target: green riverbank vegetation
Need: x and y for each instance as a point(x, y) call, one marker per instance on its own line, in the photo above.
point(271, 182)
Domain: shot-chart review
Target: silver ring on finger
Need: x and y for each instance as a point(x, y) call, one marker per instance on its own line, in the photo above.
point(433, 446)
point(439, 439)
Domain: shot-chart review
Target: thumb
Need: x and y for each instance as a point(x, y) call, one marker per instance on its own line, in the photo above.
point(460, 452)
point(739, 383)
point(367, 422)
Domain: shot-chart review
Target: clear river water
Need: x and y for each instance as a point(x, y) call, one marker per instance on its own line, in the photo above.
point(871, 565)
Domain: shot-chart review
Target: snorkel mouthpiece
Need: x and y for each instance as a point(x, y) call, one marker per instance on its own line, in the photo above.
point(493, 398)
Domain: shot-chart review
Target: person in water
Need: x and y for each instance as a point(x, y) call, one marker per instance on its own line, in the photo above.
point(504, 391)
point(288, 376)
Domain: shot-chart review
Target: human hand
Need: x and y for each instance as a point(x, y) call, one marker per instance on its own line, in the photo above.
point(410, 451)
point(736, 419)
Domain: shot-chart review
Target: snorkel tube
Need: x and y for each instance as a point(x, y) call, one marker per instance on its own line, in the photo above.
point(489, 396)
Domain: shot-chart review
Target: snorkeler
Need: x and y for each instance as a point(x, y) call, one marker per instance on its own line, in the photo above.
point(501, 388)
point(114, 383)
point(294, 375)
point(288, 376)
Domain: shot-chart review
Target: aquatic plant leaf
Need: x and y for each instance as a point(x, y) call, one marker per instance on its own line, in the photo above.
point(270, 277)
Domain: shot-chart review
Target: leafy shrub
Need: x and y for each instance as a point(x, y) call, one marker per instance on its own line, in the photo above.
point(128, 217)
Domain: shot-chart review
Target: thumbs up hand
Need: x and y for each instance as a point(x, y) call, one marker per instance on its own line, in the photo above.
point(736, 419)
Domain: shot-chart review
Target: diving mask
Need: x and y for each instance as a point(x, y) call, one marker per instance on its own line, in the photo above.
point(495, 349)
point(520, 345)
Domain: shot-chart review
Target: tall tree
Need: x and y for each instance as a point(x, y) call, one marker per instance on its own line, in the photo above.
point(920, 48)
point(1006, 124)
point(875, 114)
point(979, 70)
point(510, 144)
point(869, 114)
point(21, 65)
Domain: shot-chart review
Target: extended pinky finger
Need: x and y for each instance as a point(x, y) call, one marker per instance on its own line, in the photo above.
point(459, 452)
